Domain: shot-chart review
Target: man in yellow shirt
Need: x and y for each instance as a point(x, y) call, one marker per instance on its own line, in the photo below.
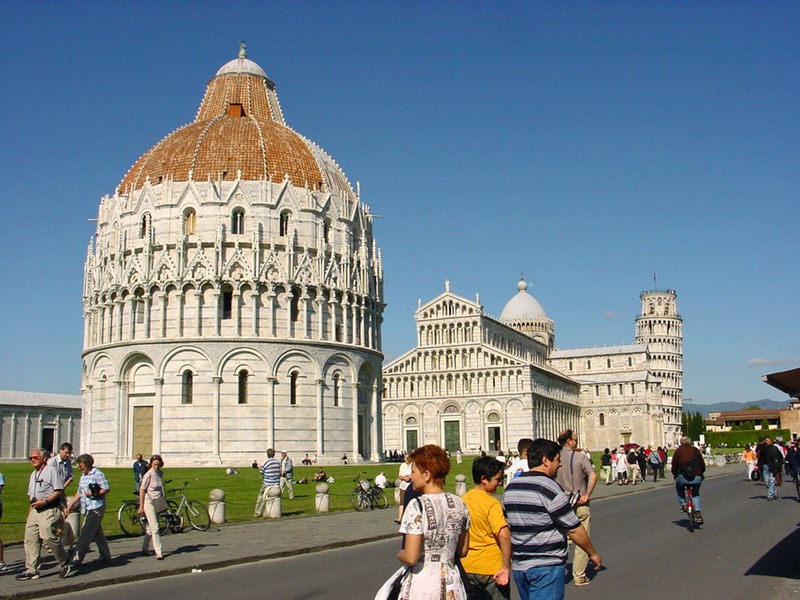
point(487, 565)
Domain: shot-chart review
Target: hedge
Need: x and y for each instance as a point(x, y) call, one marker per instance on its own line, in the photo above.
point(739, 439)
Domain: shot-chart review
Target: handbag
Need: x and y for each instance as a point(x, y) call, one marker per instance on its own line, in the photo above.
point(391, 589)
point(159, 504)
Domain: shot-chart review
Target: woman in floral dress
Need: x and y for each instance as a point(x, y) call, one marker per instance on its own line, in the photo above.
point(437, 531)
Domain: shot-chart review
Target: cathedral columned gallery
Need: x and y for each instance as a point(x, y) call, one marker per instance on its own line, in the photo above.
point(479, 383)
point(233, 295)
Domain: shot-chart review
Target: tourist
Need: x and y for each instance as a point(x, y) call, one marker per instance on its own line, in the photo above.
point(749, 458)
point(380, 480)
point(45, 490)
point(605, 466)
point(622, 468)
point(487, 565)
point(577, 477)
point(655, 463)
point(62, 460)
point(688, 468)
point(320, 475)
point(540, 519)
point(770, 462)
point(152, 502)
point(520, 464)
point(404, 475)
point(287, 472)
point(436, 528)
point(270, 477)
point(140, 467)
point(91, 497)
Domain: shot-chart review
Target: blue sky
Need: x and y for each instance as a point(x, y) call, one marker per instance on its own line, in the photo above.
point(584, 144)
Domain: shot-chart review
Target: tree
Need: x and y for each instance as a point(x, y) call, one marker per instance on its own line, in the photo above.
point(764, 424)
point(693, 424)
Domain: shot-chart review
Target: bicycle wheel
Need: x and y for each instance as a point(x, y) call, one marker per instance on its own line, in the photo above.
point(379, 499)
point(174, 517)
point(690, 513)
point(358, 500)
point(197, 514)
point(129, 521)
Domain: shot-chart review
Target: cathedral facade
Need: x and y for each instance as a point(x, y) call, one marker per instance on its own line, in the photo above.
point(478, 383)
point(233, 295)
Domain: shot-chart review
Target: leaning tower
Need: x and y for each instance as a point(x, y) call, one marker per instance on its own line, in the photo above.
point(660, 328)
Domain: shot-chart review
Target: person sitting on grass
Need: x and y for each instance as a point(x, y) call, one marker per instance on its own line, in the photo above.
point(320, 475)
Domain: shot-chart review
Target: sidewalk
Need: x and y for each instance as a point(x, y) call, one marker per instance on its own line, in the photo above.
point(226, 545)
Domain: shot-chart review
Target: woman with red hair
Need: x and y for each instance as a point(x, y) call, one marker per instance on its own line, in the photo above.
point(436, 526)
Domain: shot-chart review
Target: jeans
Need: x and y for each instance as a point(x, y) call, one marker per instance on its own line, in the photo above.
point(681, 482)
point(769, 481)
point(541, 583)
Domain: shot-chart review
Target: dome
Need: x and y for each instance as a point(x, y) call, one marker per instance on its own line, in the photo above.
point(522, 307)
point(239, 133)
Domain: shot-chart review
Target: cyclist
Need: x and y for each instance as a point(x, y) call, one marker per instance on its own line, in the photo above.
point(688, 468)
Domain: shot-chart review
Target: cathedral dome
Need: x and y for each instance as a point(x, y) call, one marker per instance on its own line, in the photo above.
point(522, 307)
point(239, 133)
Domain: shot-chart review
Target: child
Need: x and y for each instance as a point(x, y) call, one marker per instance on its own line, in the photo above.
point(487, 565)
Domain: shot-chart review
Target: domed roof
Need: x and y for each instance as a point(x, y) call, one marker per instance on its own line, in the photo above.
point(239, 131)
point(522, 307)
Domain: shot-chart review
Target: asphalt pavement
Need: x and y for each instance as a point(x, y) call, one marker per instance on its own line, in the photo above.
point(237, 543)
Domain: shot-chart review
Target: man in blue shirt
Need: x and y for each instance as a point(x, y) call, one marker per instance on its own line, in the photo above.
point(270, 476)
point(91, 495)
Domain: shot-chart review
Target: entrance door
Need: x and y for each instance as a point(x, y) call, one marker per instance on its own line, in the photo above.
point(48, 438)
point(412, 440)
point(494, 438)
point(142, 430)
point(452, 435)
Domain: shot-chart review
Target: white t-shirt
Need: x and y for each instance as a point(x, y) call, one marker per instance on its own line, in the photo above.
point(380, 480)
point(405, 471)
point(520, 465)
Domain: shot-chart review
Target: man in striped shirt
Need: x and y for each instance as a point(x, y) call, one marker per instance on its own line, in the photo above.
point(540, 519)
point(271, 476)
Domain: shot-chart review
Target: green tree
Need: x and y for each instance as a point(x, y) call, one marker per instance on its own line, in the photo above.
point(764, 424)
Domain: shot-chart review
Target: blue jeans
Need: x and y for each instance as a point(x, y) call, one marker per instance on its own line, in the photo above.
point(681, 482)
point(541, 583)
point(769, 481)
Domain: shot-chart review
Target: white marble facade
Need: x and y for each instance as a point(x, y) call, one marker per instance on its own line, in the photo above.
point(37, 420)
point(474, 382)
point(233, 295)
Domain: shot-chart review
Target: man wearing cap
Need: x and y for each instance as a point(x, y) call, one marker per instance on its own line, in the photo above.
point(287, 472)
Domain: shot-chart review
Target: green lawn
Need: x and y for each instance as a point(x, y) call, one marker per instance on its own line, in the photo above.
point(240, 490)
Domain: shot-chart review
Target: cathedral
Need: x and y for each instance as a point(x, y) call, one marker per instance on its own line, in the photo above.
point(479, 383)
point(233, 295)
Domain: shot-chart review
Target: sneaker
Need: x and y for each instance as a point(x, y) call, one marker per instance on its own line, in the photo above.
point(683, 508)
point(582, 580)
point(3, 566)
point(27, 576)
point(698, 518)
point(66, 571)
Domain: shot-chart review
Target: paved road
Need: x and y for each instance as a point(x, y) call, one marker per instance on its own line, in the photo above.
point(748, 548)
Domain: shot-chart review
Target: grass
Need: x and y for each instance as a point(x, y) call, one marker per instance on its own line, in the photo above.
point(240, 491)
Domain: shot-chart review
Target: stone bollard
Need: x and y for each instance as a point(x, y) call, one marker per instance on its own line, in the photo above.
point(461, 484)
point(323, 501)
point(272, 507)
point(719, 460)
point(216, 506)
point(397, 483)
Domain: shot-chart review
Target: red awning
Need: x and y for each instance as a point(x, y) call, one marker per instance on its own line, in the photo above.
point(786, 381)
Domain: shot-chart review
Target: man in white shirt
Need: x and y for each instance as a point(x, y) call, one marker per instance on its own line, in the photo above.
point(520, 465)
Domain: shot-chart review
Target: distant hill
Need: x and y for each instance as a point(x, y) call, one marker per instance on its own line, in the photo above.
point(704, 409)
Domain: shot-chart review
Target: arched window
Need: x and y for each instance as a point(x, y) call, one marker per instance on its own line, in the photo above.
point(336, 389)
point(283, 229)
point(411, 421)
point(187, 385)
point(293, 387)
point(144, 225)
point(602, 419)
point(190, 222)
point(294, 306)
point(237, 221)
point(227, 302)
point(243, 374)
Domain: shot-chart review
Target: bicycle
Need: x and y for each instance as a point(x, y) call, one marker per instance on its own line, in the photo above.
point(690, 512)
point(367, 496)
point(132, 523)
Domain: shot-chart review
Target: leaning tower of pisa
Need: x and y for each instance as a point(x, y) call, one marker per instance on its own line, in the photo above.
point(660, 328)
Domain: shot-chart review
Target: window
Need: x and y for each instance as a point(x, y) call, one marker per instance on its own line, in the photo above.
point(187, 385)
point(294, 307)
point(588, 364)
point(293, 387)
point(283, 228)
point(602, 419)
point(144, 225)
point(243, 374)
point(227, 302)
point(570, 365)
point(326, 231)
point(237, 221)
point(336, 389)
point(630, 361)
point(190, 222)
point(608, 363)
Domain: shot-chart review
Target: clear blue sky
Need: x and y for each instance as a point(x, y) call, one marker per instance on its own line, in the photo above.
point(584, 144)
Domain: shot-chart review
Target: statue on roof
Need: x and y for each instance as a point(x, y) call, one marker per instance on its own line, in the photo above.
point(242, 50)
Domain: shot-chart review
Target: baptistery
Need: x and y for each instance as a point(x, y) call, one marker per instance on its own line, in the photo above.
point(233, 295)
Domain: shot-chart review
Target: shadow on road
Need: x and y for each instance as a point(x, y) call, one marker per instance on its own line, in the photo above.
point(782, 560)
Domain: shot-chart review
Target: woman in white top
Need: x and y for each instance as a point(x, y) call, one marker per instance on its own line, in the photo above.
point(622, 468)
point(436, 526)
point(404, 475)
point(151, 488)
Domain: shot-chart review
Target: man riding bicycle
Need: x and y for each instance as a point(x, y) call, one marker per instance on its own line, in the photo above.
point(688, 468)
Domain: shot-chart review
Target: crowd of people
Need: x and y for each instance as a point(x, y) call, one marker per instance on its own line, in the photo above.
point(767, 460)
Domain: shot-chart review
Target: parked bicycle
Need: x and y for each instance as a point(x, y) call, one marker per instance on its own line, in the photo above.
point(367, 496)
point(178, 507)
